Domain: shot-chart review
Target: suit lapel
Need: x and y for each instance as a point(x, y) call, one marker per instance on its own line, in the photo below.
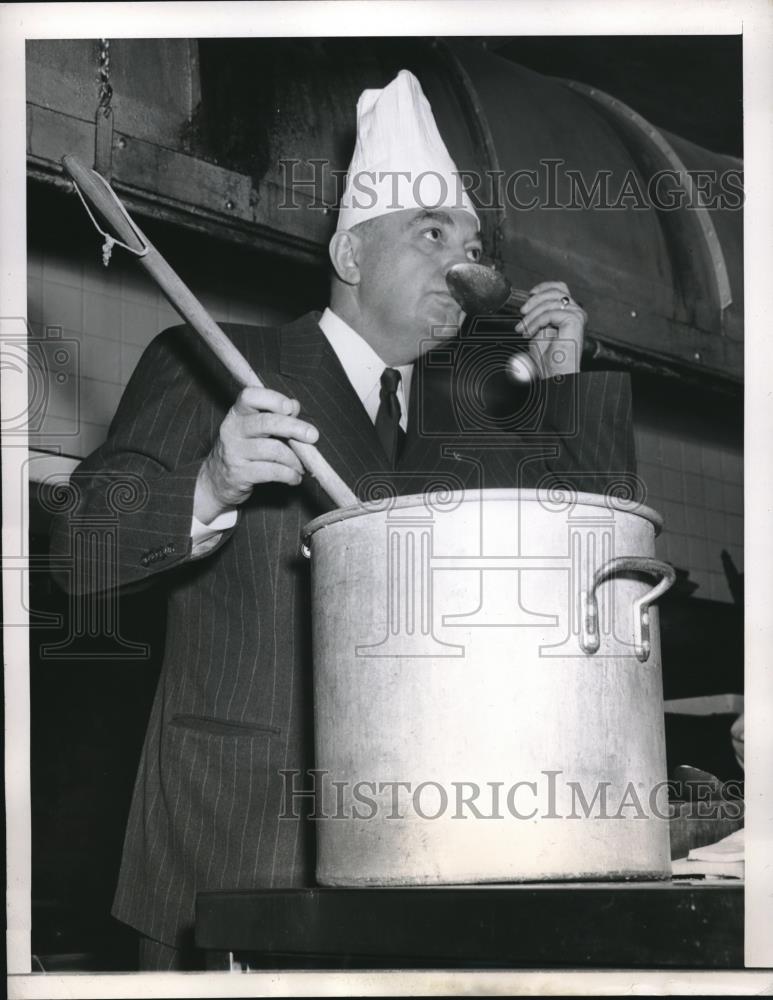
point(311, 371)
point(314, 375)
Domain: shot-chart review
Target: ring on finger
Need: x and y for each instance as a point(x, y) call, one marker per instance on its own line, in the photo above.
point(565, 300)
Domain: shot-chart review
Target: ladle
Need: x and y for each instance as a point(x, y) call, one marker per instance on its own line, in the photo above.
point(481, 290)
point(97, 193)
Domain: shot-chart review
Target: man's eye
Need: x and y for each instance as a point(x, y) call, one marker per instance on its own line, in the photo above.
point(474, 253)
point(433, 234)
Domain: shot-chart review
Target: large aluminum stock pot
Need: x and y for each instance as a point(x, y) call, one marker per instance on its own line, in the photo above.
point(488, 694)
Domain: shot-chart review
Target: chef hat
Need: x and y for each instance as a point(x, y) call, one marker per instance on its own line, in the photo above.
point(400, 160)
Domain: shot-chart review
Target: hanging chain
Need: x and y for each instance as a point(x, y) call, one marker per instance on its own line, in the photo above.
point(105, 87)
point(104, 133)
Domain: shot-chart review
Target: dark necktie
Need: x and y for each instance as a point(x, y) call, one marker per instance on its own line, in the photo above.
point(388, 428)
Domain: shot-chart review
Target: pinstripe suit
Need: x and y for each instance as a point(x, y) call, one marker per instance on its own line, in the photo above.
point(233, 702)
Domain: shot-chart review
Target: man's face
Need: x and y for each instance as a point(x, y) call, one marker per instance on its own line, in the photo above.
point(403, 294)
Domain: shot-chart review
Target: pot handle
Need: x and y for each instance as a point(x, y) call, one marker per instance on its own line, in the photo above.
point(590, 640)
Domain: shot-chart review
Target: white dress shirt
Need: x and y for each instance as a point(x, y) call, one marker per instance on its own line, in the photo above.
point(363, 368)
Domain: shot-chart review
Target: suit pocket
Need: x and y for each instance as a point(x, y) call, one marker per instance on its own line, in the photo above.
point(222, 727)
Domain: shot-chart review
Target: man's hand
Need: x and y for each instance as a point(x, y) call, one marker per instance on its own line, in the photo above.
point(555, 324)
point(251, 449)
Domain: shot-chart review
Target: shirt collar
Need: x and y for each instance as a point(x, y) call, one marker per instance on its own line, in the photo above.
point(363, 366)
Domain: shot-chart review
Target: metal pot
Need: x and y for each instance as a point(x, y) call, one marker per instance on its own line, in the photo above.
point(488, 694)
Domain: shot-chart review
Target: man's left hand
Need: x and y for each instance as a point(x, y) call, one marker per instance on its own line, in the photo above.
point(555, 325)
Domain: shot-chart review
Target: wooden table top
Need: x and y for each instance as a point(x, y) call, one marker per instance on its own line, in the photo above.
point(684, 923)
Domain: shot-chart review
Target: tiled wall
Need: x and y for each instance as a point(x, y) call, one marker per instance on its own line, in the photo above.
point(113, 313)
point(696, 483)
point(692, 467)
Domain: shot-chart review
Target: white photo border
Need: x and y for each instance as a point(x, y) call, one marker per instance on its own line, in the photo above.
point(752, 18)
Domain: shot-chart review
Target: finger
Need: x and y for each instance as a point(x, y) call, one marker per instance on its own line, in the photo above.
point(272, 472)
point(551, 286)
point(278, 425)
point(550, 315)
point(554, 319)
point(540, 298)
point(251, 399)
point(267, 449)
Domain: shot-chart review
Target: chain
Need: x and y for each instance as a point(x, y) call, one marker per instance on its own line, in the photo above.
point(105, 87)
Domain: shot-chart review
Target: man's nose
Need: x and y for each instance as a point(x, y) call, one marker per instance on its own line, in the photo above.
point(456, 253)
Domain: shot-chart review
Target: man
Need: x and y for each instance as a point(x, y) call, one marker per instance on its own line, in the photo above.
point(223, 501)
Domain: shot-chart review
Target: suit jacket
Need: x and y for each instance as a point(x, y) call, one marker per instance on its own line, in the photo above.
point(233, 704)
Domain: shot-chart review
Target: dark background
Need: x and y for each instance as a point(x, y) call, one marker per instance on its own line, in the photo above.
point(689, 85)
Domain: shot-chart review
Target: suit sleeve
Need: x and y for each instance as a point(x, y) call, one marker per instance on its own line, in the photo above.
point(573, 432)
point(587, 418)
point(131, 501)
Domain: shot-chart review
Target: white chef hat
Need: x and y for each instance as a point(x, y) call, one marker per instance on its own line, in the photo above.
point(400, 160)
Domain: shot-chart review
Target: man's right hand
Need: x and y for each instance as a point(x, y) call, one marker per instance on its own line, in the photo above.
point(250, 449)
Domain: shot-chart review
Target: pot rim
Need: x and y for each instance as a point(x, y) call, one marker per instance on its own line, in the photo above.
point(452, 498)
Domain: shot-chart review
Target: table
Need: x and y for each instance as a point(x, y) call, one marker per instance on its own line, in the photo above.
point(680, 924)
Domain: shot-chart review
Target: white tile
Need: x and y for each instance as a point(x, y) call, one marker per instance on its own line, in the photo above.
point(63, 396)
point(138, 287)
point(694, 493)
point(678, 553)
point(215, 305)
point(711, 460)
point(696, 522)
point(98, 400)
point(673, 485)
point(732, 498)
point(167, 316)
point(698, 554)
point(671, 451)
point(55, 433)
point(673, 514)
point(713, 497)
point(703, 578)
point(654, 480)
point(98, 278)
point(61, 269)
point(80, 444)
point(691, 456)
point(101, 359)
point(732, 466)
point(734, 525)
point(91, 437)
point(130, 356)
point(140, 322)
point(102, 315)
point(55, 361)
point(62, 305)
point(715, 525)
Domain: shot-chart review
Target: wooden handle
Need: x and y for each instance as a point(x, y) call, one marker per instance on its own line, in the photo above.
point(97, 192)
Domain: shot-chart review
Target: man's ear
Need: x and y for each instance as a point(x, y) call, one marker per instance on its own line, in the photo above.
point(345, 248)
